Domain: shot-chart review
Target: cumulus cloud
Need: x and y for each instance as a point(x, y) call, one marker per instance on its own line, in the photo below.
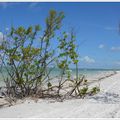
point(87, 59)
point(101, 46)
point(115, 48)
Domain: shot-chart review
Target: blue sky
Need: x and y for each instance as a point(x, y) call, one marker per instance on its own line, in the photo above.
point(96, 26)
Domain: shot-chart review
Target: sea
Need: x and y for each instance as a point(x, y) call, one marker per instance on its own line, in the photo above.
point(91, 74)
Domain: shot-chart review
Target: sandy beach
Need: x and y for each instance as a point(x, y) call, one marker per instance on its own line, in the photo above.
point(59, 59)
point(105, 104)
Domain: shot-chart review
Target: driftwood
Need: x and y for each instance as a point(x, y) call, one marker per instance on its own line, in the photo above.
point(3, 102)
point(77, 85)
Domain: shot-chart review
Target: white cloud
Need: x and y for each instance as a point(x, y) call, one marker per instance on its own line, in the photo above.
point(33, 4)
point(117, 62)
point(5, 5)
point(101, 46)
point(7, 29)
point(87, 59)
point(115, 48)
point(111, 28)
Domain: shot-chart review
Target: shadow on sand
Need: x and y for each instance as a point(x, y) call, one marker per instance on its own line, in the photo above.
point(107, 98)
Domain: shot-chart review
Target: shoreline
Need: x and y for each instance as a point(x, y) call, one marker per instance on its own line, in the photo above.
point(103, 77)
point(4, 103)
point(108, 101)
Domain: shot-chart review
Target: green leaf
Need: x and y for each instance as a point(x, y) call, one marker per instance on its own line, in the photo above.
point(37, 28)
point(75, 61)
point(29, 30)
point(49, 84)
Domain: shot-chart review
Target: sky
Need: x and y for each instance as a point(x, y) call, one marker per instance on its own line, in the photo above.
point(96, 26)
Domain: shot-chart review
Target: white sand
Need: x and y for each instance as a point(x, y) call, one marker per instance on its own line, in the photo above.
point(105, 104)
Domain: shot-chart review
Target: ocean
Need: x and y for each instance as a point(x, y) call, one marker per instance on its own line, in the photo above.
point(91, 74)
point(85, 71)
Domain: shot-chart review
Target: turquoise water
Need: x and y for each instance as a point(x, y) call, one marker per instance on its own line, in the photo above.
point(86, 72)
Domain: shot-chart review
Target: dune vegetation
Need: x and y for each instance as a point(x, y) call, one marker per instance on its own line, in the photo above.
point(28, 57)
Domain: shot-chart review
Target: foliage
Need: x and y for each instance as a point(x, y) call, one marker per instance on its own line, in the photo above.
point(28, 63)
point(83, 91)
point(27, 55)
point(94, 90)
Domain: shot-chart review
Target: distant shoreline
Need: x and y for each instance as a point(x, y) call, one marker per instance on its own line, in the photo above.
point(102, 78)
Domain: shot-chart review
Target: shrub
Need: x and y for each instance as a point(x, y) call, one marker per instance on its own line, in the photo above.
point(94, 90)
point(28, 57)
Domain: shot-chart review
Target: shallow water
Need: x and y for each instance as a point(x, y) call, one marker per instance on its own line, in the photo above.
point(90, 74)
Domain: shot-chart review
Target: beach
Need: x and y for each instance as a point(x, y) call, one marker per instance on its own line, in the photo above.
point(105, 104)
point(60, 59)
